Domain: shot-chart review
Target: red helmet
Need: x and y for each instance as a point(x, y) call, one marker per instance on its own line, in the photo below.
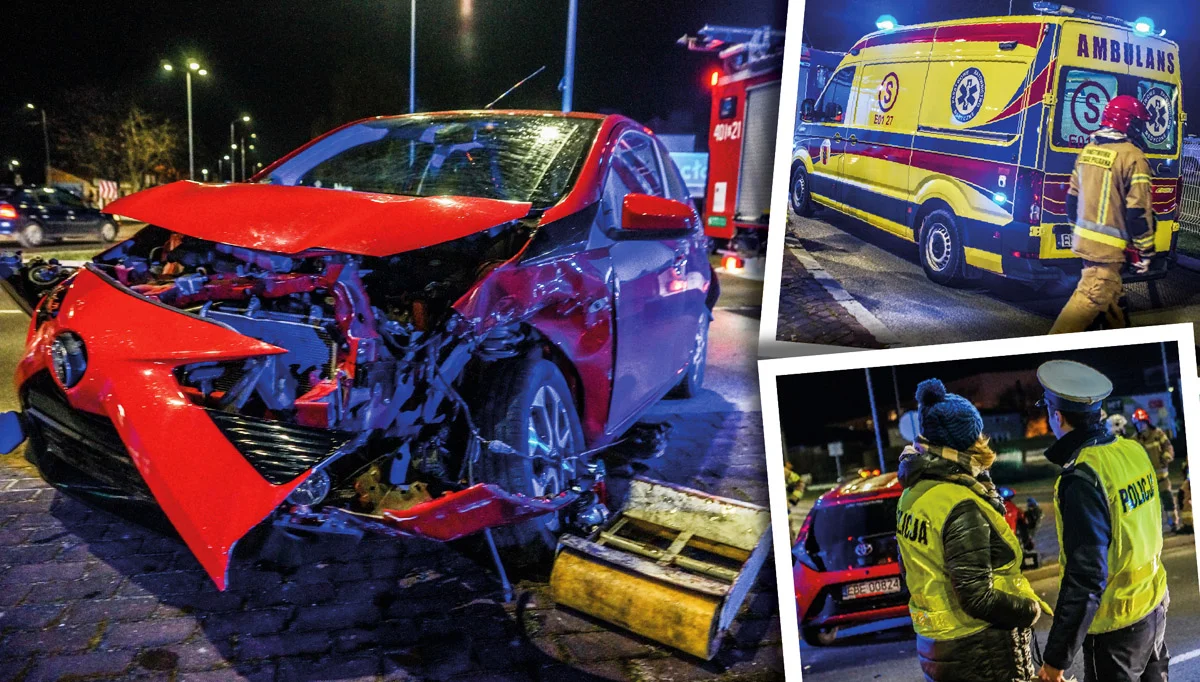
point(1140, 415)
point(1123, 110)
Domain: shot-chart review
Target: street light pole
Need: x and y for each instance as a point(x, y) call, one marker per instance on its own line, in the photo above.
point(191, 145)
point(412, 57)
point(243, 157)
point(875, 419)
point(568, 81)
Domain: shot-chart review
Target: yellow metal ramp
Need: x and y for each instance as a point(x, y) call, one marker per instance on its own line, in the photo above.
point(673, 565)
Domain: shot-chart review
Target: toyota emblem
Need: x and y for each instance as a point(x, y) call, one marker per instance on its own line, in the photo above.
point(862, 549)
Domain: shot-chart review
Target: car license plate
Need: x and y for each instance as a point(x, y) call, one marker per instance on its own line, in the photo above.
point(1064, 240)
point(871, 588)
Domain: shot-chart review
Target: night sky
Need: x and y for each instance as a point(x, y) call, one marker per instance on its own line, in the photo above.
point(300, 68)
point(808, 402)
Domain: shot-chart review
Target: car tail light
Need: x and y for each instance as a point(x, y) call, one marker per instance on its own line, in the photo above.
point(8, 212)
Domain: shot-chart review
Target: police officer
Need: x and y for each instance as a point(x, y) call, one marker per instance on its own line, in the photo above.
point(1158, 445)
point(1113, 597)
point(971, 607)
point(1108, 202)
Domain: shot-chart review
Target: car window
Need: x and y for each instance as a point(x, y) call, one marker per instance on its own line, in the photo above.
point(641, 160)
point(46, 198)
point(69, 200)
point(494, 156)
point(676, 187)
point(831, 105)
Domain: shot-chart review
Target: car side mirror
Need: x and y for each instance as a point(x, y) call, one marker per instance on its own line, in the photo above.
point(807, 108)
point(643, 214)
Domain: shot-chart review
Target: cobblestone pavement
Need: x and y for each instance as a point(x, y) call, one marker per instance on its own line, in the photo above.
point(809, 313)
point(85, 594)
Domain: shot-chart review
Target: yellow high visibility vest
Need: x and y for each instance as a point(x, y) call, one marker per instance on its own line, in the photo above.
point(920, 519)
point(1137, 580)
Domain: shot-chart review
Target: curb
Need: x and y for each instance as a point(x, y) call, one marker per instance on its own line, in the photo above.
point(1187, 262)
point(865, 317)
point(1050, 568)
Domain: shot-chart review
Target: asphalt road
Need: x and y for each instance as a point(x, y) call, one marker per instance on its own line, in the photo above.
point(883, 274)
point(891, 654)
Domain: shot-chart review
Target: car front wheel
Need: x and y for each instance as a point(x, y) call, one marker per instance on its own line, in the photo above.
point(530, 408)
point(108, 231)
point(814, 636)
point(31, 235)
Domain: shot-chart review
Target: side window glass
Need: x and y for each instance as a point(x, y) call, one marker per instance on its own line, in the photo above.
point(831, 106)
point(47, 199)
point(621, 181)
point(676, 187)
point(639, 156)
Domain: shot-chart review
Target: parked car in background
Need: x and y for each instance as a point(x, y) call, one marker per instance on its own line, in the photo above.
point(846, 564)
point(35, 215)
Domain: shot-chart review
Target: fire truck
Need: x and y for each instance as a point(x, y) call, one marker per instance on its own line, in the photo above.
point(742, 131)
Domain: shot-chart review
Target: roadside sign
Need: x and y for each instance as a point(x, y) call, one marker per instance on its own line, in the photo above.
point(693, 166)
point(910, 426)
point(836, 449)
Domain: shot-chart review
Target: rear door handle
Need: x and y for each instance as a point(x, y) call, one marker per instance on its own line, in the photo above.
point(837, 136)
point(853, 139)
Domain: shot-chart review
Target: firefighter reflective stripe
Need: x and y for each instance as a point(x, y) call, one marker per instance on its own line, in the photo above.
point(1098, 232)
point(1105, 191)
point(920, 518)
point(1137, 581)
point(1139, 179)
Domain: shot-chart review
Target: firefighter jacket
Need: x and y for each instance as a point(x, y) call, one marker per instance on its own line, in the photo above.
point(1108, 497)
point(1108, 201)
point(1158, 445)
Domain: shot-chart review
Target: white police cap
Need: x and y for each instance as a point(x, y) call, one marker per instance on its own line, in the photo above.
point(1072, 386)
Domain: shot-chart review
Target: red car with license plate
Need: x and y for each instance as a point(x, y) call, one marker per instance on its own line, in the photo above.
point(423, 326)
point(846, 563)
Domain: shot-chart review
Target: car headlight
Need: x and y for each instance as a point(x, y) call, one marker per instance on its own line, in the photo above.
point(312, 490)
point(68, 358)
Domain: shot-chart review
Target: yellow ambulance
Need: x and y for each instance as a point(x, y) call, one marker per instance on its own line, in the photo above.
point(961, 136)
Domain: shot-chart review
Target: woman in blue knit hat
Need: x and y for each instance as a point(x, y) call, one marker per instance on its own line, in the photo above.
point(972, 609)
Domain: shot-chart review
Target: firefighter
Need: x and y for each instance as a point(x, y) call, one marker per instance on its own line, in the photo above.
point(1109, 205)
point(1158, 445)
point(1113, 595)
point(971, 607)
point(795, 484)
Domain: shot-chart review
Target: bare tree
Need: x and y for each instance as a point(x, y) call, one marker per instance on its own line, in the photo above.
point(104, 136)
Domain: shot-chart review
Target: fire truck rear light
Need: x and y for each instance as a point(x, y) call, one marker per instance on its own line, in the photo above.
point(733, 263)
point(713, 78)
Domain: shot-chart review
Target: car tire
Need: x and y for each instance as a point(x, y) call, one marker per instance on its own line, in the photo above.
point(799, 193)
point(941, 248)
point(528, 403)
point(693, 376)
point(814, 636)
point(31, 235)
point(108, 231)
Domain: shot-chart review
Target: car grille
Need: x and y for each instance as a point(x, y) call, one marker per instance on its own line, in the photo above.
point(279, 452)
point(86, 442)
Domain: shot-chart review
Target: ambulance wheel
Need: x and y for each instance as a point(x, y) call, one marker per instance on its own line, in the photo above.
point(941, 248)
point(530, 408)
point(800, 196)
point(814, 636)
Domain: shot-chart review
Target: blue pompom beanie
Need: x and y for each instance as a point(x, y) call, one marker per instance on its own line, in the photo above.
point(946, 418)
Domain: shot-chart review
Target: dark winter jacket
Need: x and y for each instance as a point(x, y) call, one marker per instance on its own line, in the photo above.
point(972, 548)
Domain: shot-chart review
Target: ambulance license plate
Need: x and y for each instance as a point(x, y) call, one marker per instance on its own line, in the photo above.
point(1064, 240)
point(871, 588)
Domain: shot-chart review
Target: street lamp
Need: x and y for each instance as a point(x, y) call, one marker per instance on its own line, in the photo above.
point(192, 65)
point(204, 172)
point(12, 164)
point(45, 136)
point(245, 119)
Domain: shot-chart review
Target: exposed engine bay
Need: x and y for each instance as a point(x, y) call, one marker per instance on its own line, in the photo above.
point(378, 378)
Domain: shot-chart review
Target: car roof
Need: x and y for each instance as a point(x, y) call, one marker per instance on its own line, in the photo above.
point(507, 112)
point(862, 490)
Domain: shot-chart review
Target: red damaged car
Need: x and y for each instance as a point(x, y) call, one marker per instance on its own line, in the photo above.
point(424, 326)
point(846, 563)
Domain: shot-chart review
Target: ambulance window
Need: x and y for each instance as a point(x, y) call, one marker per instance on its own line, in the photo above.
point(1084, 95)
point(727, 108)
point(831, 106)
point(1161, 102)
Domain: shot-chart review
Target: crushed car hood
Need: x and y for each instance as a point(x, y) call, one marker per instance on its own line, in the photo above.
point(290, 220)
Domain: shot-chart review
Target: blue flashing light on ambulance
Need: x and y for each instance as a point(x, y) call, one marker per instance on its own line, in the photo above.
point(961, 136)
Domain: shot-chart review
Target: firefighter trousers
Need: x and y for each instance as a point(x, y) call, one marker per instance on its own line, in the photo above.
point(1137, 653)
point(1098, 293)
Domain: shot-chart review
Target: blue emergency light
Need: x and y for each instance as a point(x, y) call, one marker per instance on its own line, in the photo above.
point(886, 22)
